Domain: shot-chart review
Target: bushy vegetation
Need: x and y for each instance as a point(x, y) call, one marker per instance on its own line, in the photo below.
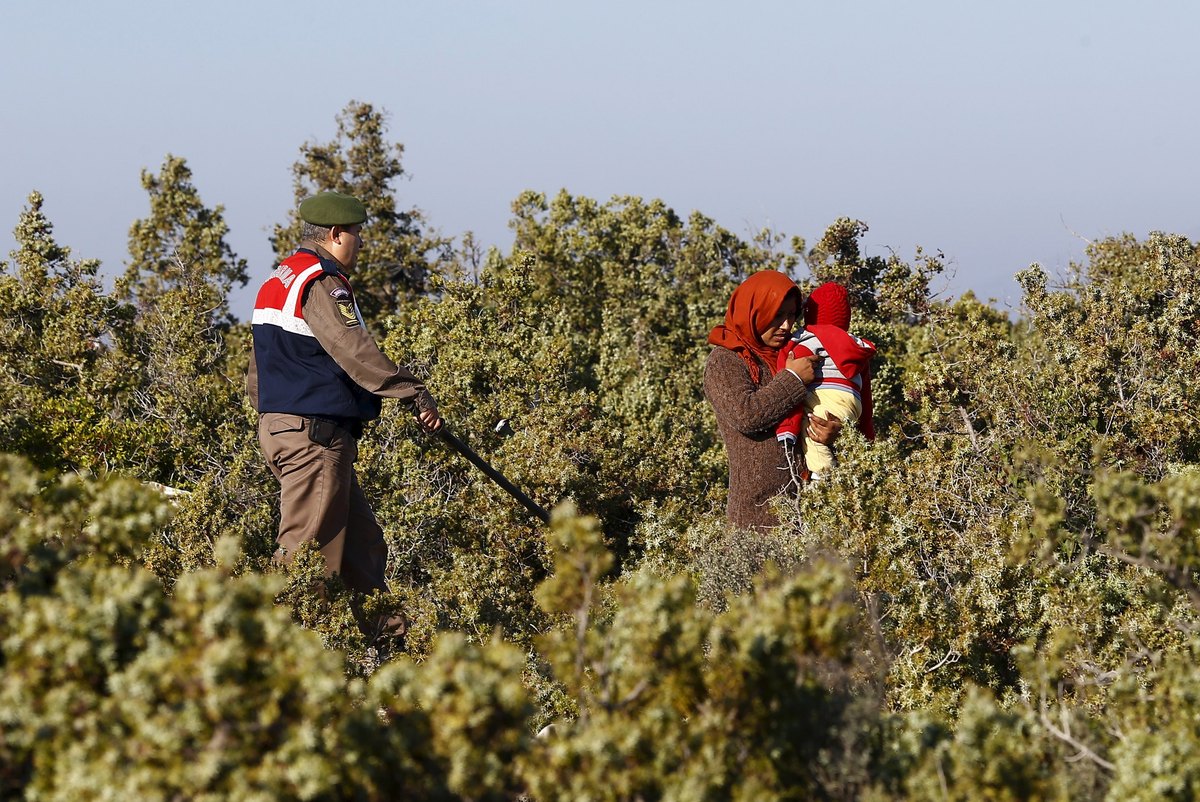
point(997, 599)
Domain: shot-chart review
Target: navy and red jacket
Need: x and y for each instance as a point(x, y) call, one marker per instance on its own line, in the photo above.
point(296, 375)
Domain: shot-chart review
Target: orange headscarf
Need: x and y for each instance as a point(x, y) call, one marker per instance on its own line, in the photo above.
point(752, 307)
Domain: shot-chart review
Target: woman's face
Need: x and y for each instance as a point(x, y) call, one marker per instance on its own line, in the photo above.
point(779, 329)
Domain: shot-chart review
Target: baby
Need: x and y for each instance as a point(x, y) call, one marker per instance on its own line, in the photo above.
point(842, 386)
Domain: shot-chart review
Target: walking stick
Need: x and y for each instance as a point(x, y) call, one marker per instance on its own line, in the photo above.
point(492, 473)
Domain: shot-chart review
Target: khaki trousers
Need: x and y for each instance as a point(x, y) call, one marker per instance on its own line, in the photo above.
point(320, 500)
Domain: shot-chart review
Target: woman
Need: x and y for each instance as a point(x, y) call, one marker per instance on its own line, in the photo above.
point(750, 398)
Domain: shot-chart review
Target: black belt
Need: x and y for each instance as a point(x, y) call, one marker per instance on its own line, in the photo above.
point(352, 425)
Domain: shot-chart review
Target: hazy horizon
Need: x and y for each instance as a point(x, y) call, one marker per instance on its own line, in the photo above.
point(998, 135)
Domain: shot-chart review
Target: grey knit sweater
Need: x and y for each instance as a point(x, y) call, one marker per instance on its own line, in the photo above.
point(747, 414)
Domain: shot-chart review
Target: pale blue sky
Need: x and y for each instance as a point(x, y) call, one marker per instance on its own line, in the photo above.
point(1000, 133)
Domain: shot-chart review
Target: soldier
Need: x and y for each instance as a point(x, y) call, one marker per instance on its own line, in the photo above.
point(316, 375)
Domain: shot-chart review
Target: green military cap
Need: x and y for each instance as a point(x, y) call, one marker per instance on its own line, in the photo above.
point(333, 209)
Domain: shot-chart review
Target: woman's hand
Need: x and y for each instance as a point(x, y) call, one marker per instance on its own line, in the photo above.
point(824, 430)
point(804, 367)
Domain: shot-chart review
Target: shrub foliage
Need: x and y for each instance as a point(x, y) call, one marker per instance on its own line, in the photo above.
point(997, 599)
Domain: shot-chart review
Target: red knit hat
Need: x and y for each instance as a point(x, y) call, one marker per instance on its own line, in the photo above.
point(828, 305)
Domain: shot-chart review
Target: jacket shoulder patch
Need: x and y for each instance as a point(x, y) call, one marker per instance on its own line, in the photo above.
point(345, 305)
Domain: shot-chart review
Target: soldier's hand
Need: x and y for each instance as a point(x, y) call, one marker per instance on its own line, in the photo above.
point(429, 418)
